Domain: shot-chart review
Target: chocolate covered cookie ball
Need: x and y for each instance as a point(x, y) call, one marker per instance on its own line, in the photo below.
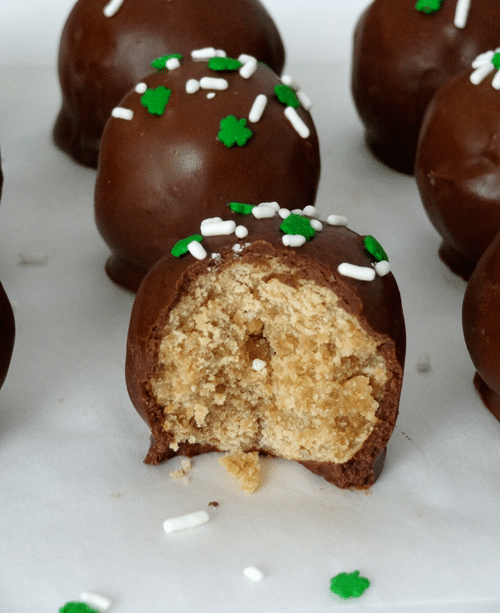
point(289, 341)
point(189, 139)
point(404, 51)
point(107, 45)
point(458, 163)
point(481, 325)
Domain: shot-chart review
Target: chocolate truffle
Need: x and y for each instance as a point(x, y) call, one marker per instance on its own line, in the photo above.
point(259, 347)
point(404, 50)
point(218, 137)
point(458, 164)
point(107, 46)
point(481, 325)
point(7, 332)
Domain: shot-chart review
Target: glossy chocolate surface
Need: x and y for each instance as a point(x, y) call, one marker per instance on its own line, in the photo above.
point(402, 57)
point(161, 175)
point(458, 168)
point(101, 58)
point(481, 325)
point(376, 305)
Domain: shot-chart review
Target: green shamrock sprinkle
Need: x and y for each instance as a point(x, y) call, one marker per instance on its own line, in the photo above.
point(297, 224)
point(76, 607)
point(181, 247)
point(161, 62)
point(428, 6)
point(234, 131)
point(375, 249)
point(349, 585)
point(156, 99)
point(495, 60)
point(224, 64)
point(241, 207)
point(286, 95)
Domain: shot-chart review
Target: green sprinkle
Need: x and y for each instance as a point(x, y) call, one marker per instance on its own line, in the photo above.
point(234, 131)
point(241, 207)
point(349, 585)
point(428, 6)
point(495, 60)
point(76, 607)
point(297, 224)
point(286, 95)
point(221, 64)
point(161, 62)
point(181, 247)
point(156, 99)
point(375, 249)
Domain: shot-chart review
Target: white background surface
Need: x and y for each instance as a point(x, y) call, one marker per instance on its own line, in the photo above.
point(79, 509)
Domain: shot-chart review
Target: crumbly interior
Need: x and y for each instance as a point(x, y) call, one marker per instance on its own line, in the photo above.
point(316, 396)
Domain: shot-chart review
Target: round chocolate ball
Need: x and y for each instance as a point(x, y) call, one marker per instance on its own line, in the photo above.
point(249, 345)
point(481, 325)
point(402, 56)
point(458, 167)
point(107, 46)
point(251, 141)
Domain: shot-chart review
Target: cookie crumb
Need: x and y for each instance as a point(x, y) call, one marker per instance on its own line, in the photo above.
point(245, 467)
point(183, 471)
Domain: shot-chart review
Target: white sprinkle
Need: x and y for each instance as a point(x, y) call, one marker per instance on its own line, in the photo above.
point(112, 7)
point(216, 257)
point(337, 220)
point(461, 13)
point(210, 95)
point(172, 63)
point(483, 58)
point(192, 86)
point(274, 205)
point(293, 117)
point(382, 268)
point(191, 520)
point(362, 273)
point(258, 106)
point(206, 53)
point(304, 100)
point(238, 248)
point(423, 363)
point(121, 113)
point(95, 600)
point(284, 213)
point(209, 220)
point(213, 83)
point(263, 212)
point(496, 81)
point(33, 259)
point(253, 573)
point(244, 58)
point(218, 228)
point(310, 211)
point(241, 231)
point(258, 365)
point(316, 224)
point(288, 80)
point(140, 88)
point(247, 70)
point(293, 240)
point(481, 73)
point(298, 212)
point(197, 250)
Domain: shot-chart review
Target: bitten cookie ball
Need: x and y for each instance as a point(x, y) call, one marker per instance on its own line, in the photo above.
point(191, 138)
point(404, 51)
point(106, 47)
point(289, 342)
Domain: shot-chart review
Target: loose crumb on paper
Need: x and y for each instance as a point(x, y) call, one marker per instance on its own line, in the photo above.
point(186, 466)
point(245, 467)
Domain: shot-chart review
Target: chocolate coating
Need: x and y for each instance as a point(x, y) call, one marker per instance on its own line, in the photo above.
point(7, 333)
point(101, 58)
point(376, 305)
point(458, 169)
point(401, 57)
point(481, 325)
point(159, 176)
